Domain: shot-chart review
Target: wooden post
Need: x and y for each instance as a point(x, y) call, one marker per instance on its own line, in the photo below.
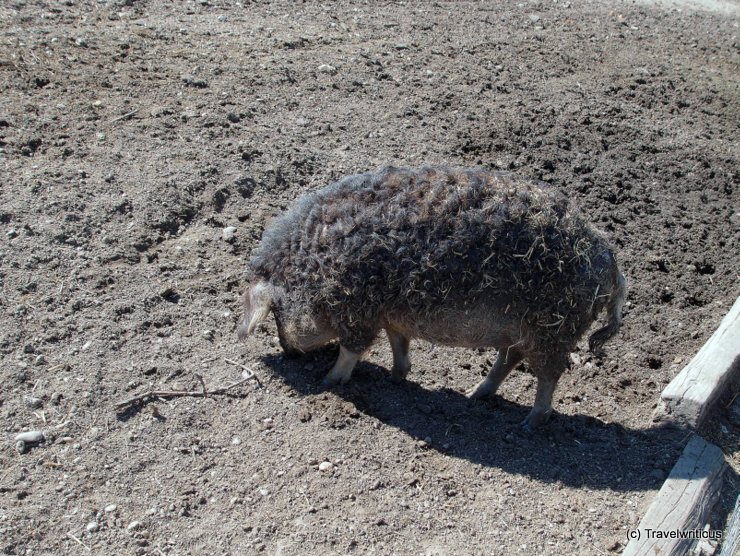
point(731, 542)
point(682, 505)
point(688, 397)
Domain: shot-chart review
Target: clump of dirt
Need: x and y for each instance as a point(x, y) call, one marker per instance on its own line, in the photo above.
point(145, 145)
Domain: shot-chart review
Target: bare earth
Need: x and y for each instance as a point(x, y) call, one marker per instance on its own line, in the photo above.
point(133, 133)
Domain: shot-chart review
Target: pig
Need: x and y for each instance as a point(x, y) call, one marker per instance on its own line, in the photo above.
point(454, 256)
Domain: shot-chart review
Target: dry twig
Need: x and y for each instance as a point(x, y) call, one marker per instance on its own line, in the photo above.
point(245, 368)
point(180, 393)
point(78, 541)
point(125, 116)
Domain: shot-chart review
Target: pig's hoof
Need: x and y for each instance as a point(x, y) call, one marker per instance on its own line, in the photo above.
point(398, 375)
point(328, 382)
point(483, 390)
point(533, 421)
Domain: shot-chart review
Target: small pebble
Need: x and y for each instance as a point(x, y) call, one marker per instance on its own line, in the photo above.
point(325, 466)
point(192, 81)
point(110, 508)
point(32, 403)
point(236, 441)
point(40, 360)
point(134, 525)
point(228, 233)
point(56, 398)
point(31, 437)
point(327, 68)
point(92, 527)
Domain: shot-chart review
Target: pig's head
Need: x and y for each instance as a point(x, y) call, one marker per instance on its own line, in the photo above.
point(298, 331)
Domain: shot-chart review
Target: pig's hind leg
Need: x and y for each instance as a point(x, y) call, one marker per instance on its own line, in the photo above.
point(507, 359)
point(548, 371)
point(401, 360)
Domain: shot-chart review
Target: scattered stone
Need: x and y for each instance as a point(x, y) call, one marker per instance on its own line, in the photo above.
point(92, 527)
point(223, 18)
point(56, 398)
point(134, 525)
point(326, 466)
point(32, 403)
point(233, 118)
point(191, 81)
point(31, 437)
point(110, 508)
point(228, 233)
point(236, 441)
point(40, 360)
point(327, 68)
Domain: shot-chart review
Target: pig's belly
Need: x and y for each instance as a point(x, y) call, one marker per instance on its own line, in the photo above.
point(479, 326)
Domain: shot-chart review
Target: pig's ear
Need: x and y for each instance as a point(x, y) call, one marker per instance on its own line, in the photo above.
point(258, 303)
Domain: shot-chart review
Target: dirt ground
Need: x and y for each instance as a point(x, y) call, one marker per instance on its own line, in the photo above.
point(144, 145)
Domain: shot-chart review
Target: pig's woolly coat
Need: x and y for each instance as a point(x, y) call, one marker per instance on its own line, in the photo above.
point(412, 242)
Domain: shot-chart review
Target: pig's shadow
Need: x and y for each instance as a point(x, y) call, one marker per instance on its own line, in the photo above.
point(574, 450)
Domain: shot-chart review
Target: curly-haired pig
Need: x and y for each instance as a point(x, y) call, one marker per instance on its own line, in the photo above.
point(460, 257)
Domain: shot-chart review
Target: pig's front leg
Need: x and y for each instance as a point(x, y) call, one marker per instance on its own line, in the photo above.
point(341, 372)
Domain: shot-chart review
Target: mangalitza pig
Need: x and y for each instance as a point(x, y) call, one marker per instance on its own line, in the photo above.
point(460, 257)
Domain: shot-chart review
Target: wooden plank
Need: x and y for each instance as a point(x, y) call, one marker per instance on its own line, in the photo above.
point(731, 540)
point(683, 503)
point(688, 397)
